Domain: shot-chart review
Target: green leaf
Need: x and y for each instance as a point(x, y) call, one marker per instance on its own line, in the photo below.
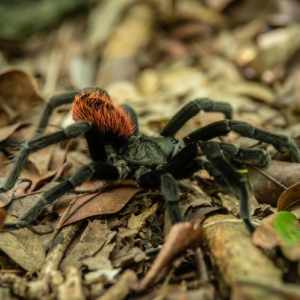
point(287, 227)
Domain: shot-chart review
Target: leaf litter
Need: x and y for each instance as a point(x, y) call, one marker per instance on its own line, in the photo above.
point(155, 56)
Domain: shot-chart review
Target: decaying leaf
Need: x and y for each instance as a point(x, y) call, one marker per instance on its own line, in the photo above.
point(91, 241)
point(139, 220)
point(23, 247)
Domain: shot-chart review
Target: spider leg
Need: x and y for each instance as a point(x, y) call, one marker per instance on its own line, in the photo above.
point(51, 104)
point(257, 157)
point(131, 112)
point(37, 143)
point(191, 109)
point(172, 197)
point(279, 141)
point(99, 170)
point(235, 180)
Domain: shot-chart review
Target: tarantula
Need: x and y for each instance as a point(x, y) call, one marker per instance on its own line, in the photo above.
point(119, 152)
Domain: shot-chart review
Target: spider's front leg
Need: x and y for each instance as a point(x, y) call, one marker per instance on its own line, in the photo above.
point(234, 179)
point(193, 108)
point(99, 170)
point(219, 128)
point(40, 142)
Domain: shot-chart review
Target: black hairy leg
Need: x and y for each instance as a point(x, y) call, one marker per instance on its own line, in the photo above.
point(51, 104)
point(39, 142)
point(172, 197)
point(193, 108)
point(98, 170)
point(219, 128)
point(233, 178)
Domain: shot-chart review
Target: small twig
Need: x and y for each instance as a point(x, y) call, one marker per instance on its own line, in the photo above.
point(201, 267)
point(60, 224)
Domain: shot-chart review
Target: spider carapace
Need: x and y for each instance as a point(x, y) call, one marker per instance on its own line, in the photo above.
point(119, 152)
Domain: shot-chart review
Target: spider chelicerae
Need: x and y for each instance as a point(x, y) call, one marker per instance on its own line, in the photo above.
point(119, 152)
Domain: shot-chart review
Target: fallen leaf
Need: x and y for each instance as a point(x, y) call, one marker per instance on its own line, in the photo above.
point(7, 131)
point(182, 236)
point(139, 220)
point(269, 182)
point(102, 203)
point(19, 93)
point(92, 239)
point(289, 200)
point(281, 229)
point(24, 248)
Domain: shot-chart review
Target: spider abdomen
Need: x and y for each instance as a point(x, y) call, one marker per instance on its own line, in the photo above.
point(96, 106)
point(148, 151)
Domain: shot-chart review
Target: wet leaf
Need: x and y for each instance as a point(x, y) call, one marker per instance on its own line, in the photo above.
point(23, 247)
point(269, 182)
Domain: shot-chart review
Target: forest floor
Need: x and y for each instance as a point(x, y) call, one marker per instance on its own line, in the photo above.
point(118, 242)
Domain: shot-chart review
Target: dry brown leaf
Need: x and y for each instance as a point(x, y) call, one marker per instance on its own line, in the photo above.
point(269, 182)
point(182, 236)
point(24, 248)
point(92, 239)
point(7, 131)
point(19, 94)
point(290, 198)
point(139, 220)
point(107, 202)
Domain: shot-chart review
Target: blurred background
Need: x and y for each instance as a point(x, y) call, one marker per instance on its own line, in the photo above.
point(158, 55)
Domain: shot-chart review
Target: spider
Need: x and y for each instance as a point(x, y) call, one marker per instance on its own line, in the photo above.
point(118, 152)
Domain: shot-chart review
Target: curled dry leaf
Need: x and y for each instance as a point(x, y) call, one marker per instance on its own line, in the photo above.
point(7, 131)
point(269, 182)
point(24, 248)
point(290, 198)
point(19, 94)
point(182, 236)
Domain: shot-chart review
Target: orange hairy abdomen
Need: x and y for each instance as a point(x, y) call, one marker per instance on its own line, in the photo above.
point(97, 107)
